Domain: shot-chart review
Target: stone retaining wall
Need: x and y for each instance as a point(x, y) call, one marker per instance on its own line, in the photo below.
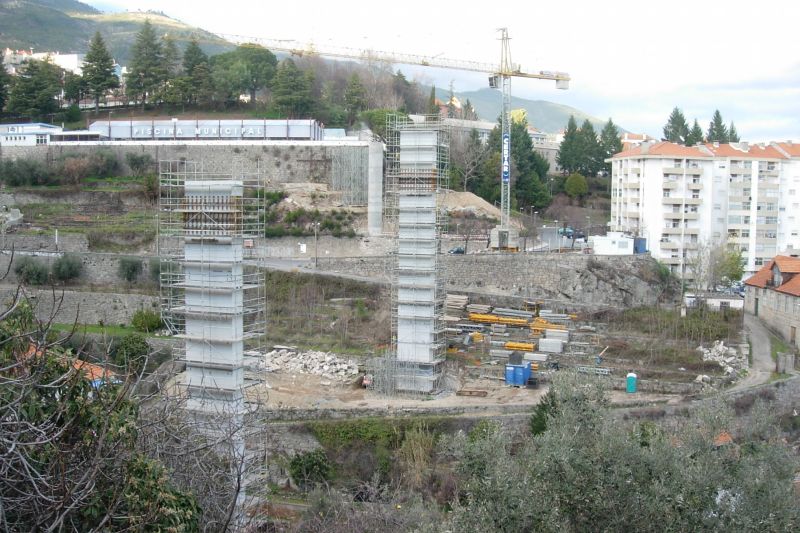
point(88, 307)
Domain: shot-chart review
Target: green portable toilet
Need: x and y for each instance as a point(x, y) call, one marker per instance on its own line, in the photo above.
point(630, 383)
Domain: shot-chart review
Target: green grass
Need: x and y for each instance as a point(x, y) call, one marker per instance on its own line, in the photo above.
point(778, 345)
point(111, 331)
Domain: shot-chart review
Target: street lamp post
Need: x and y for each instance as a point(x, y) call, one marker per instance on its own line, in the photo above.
point(535, 230)
point(316, 255)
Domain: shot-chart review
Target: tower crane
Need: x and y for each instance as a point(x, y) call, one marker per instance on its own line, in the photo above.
point(503, 237)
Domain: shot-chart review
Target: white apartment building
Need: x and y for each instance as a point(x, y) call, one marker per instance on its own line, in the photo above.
point(684, 198)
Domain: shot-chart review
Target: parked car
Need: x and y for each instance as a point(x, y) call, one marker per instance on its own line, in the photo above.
point(566, 232)
point(457, 250)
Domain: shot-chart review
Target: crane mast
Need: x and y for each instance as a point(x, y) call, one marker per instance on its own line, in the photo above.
point(503, 237)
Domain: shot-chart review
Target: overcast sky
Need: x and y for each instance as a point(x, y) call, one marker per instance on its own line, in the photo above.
point(629, 60)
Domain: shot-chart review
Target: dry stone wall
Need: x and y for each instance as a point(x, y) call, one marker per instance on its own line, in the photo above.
point(85, 306)
point(280, 161)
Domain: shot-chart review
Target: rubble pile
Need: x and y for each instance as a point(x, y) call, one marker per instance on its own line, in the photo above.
point(728, 358)
point(327, 365)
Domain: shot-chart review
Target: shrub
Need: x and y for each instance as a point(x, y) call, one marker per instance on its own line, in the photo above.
point(131, 350)
point(24, 172)
point(72, 114)
point(140, 164)
point(310, 468)
point(146, 321)
point(150, 186)
point(129, 268)
point(67, 268)
point(75, 169)
point(104, 164)
point(31, 271)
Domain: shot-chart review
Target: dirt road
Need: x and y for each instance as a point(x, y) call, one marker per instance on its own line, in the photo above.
point(762, 367)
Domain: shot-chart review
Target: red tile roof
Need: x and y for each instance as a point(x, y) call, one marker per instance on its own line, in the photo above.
point(760, 278)
point(791, 287)
point(663, 148)
point(793, 149)
point(754, 151)
point(786, 265)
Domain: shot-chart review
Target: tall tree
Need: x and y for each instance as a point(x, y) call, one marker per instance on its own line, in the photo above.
point(433, 108)
point(528, 188)
point(695, 134)
point(260, 65)
point(355, 98)
point(591, 159)
point(4, 83)
point(568, 157)
point(717, 132)
point(192, 57)
point(610, 143)
point(291, 91)
point(98, 70)
point(733, 135)
point(36, 89)
point(146, 69)
point(75, 87)
point(172, 58)
point(676, 130)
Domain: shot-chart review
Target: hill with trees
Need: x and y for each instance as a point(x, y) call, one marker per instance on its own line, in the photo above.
point(68, 26)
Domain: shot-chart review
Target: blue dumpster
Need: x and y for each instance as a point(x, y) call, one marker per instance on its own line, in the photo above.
point(509, 374)
point(630, 383)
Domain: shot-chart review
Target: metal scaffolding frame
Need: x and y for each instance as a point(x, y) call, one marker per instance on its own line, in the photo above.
point(209, 296)
point(349, 174)
point(417, 164)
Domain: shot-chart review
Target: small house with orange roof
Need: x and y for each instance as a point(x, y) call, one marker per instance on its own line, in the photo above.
point(773, 294)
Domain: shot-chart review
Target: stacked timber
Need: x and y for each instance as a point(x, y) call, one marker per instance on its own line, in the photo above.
point(455, 302)
point(479, 309)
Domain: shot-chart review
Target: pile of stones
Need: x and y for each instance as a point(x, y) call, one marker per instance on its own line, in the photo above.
point(728, 358)
point(325, 364)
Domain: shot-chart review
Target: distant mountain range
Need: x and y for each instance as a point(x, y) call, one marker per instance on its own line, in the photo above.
point(67, 26)
point(542, 115)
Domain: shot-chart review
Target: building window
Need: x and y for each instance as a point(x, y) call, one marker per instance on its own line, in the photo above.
point(666, 193)
point(41, 139)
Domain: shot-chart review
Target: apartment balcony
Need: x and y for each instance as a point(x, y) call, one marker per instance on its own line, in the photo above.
point(768, 173)
point(680, 201)
point(689, 171)
point(681, 216)
point(669, 245)
point(694, 186)
point(670, 184)
point(631, 184)
point(680, 231)
point(635, 170)
point(765, 185)
point(741, 170)
point(632, 213)
point(670, 260)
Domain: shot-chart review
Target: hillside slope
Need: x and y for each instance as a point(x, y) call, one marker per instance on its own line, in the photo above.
point(543, 115)
point(67, 26)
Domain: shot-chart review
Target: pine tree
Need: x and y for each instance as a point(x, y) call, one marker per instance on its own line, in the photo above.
point(676, 130)
point(433, 108)
point(36, 89)
point(695, 134)
point(355, 98)
point(261, 65)
point(717, 132)
point(591, 159)
point(4, 83)
point(569, 152)
point(610, 143)
point(172, 58)
point(146, 69)
point(98, 70)
point(291, 90)
point(192, 57)
point(733, 135)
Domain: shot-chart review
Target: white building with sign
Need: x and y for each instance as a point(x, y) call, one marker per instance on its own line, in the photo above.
point(686, 199)
point(176, 129)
